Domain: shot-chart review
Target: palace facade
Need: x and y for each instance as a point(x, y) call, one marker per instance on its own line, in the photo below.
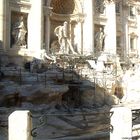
point(28, 27)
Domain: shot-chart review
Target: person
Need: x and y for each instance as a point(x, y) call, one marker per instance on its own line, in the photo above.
point(62, 34)
point(19, 32)
point(99, 40)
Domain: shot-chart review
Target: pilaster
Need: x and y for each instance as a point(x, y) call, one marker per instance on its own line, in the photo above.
point(35, 28)
point(47, 25)
point(110, 29)
point(88, 27)
point(1, 23)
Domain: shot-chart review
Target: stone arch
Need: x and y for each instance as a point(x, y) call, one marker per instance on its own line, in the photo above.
point(65, 7)
point(64, 10)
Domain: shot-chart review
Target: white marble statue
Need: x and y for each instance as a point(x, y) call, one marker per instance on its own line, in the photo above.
point(99, 40)
point(19, 32)
point(65, 45)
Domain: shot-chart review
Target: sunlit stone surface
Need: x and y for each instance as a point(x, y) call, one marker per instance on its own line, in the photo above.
point(60, 70)
point(20, 126)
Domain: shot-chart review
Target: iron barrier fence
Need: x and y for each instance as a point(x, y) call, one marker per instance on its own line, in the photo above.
point(120, 123)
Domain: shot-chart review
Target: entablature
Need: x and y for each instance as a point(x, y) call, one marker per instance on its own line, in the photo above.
point(100, 19)
point(79, 17)
point(24, 4)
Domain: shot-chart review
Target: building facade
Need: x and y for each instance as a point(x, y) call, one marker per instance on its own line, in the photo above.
point(28, 27)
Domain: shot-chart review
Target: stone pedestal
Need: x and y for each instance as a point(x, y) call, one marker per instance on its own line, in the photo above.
point(121, 122)
point(20, 126)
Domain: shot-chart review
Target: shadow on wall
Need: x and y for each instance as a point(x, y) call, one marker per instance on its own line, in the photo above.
point(1, 44)
point(75, 89)
point(0, 48)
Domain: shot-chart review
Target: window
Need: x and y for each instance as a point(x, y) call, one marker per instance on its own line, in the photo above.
point(99, 6)
point(118, 41)
point(118, 7)
point(45, 2)
point(132, 11)
point(132, 45)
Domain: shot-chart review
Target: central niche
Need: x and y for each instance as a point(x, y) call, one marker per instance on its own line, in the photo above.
point(19, 29)
point(69, 12)
point(63, 6)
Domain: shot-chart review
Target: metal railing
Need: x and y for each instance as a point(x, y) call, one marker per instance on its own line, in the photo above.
point(88, 121)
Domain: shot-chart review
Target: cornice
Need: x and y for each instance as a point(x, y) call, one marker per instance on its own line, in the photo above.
point(18, 3)
point(79, 17)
